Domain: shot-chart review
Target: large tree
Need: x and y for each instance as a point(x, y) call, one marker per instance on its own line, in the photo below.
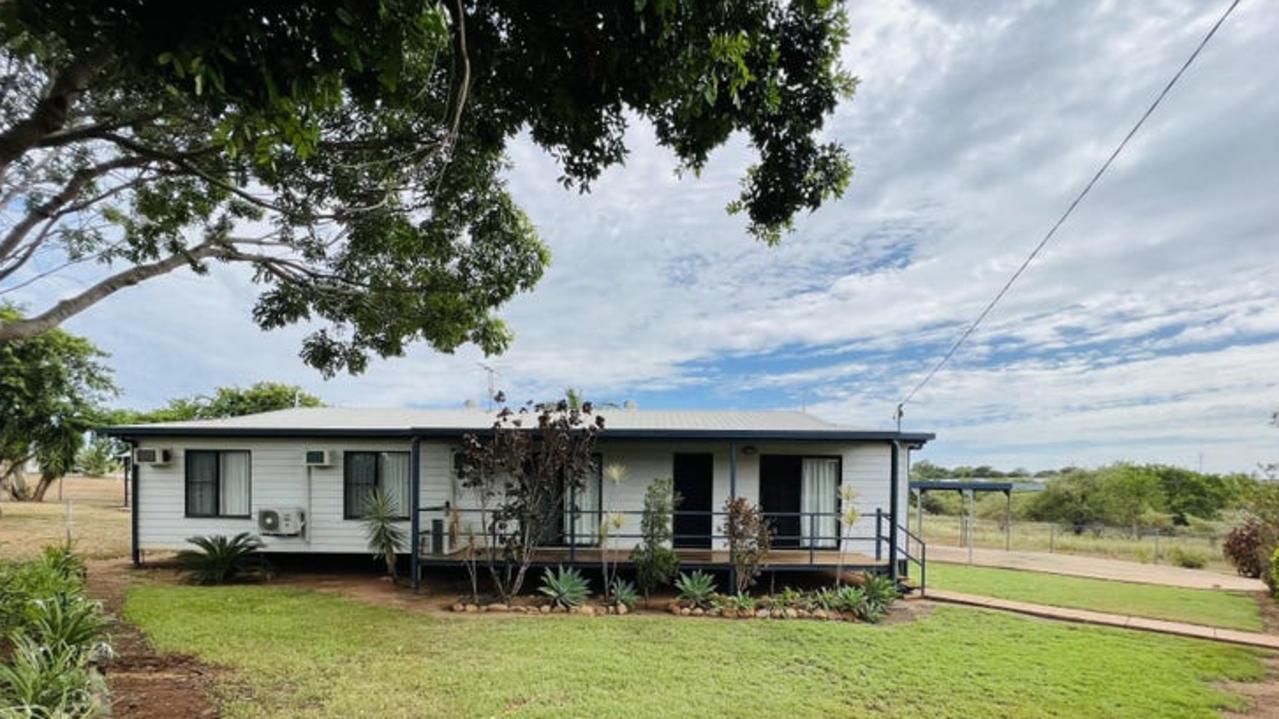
point(350, 151)
point(228, 402)
point(50, 389)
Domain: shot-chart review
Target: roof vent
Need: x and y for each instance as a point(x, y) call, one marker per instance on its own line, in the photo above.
point(630, 404)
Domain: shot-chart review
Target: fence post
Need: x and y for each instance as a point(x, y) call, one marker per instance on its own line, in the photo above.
point(1052, 538)
point(68, 521)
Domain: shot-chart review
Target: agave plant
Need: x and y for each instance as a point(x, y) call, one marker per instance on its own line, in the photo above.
point(218, 560)
point(697, 588)
point(880, 593)
point(850, 599)
point(624, 593)
point(565, 587)
point(382, 529)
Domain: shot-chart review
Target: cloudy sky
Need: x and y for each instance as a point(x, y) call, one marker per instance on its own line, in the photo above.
point(1148, 331)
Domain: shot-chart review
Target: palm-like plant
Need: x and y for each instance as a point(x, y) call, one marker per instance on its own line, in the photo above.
point(382, 529)
point(217, 560)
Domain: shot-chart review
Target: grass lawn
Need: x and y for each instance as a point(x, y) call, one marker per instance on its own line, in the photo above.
point(294, 652)
point(1232, 610)
point(99, 522)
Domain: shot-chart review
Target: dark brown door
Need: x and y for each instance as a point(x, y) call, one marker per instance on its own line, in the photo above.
point(780, 486)
point(694, 481)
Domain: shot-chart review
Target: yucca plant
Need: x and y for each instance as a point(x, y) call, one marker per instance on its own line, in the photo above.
point(217, 560)
point(382, 529)
point(624, 593)
point(697, 588)
point(565, 587)
point(850, 599)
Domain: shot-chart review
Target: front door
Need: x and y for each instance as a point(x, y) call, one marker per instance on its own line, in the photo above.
point(694, 480)
point(780, 492)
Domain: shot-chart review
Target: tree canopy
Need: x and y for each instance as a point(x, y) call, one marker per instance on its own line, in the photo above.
point(351, 153)
point(51, 387)
point(225, 402)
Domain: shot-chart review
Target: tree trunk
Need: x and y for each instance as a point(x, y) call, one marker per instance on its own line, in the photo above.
point(50, 113)
point(42, 486)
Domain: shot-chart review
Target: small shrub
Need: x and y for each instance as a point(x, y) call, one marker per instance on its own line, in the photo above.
point(741, 602)
point(1244, 546)
point(62, 561)
point(67, 621)
point(880, 592)
point(791, 598)
point(750, 538)
point(850, 599)
point(218, 560)
point(654, 566)
point(624, 593)
point(43, 681)
point(1187, 558)
point(1274, 573)
point(565, 587)
point(697, 589)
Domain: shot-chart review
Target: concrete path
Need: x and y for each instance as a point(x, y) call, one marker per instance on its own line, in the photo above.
point(1097, 567)
point(1181, 629)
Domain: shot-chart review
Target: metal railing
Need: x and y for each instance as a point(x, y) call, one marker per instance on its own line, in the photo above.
point(572, 539)
point(919, 558)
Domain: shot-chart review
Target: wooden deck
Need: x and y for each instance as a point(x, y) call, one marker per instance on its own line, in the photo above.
point(779, 558)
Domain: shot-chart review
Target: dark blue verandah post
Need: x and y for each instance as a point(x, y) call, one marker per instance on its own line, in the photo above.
point(415, 511)
point(892, 511)
point(732, 494)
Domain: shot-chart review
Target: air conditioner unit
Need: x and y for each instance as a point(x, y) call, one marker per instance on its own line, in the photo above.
point(152, 455)
point(281, 521)
point(437, 541)
point(318, 458)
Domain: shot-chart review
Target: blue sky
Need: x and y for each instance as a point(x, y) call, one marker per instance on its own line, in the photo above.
point(1148, 331)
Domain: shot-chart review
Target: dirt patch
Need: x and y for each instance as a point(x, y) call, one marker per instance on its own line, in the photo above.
point(144, 683)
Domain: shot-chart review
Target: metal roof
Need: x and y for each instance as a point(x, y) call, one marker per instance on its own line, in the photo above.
point(618, 423)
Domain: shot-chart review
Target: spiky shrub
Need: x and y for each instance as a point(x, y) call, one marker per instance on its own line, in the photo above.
point(1274, 573)
point(849, 599)
point(63, 561)
point(382, 529)
point(22, 584)
point(218, 560)
point(741, 602)
point(624, 593)
point(565, 586)
point(696, 589)
point(880, 592)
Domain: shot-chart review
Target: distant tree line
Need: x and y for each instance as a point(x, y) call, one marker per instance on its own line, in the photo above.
point(54, 390)
point(1140, 498)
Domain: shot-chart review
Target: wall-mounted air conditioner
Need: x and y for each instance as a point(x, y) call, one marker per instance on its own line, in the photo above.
point(281, 521)
point(318, 458)
point(152, 455)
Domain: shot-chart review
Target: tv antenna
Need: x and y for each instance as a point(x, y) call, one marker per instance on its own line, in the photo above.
point(492, 376)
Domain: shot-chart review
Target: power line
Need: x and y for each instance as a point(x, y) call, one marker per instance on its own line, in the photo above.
point(1061, 220)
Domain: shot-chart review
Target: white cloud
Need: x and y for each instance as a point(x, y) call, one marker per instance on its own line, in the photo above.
point(1146, 331)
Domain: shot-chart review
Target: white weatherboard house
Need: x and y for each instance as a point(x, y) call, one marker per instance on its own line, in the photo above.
point(299, 478)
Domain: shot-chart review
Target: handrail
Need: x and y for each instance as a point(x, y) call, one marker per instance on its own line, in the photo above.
point(921, 561)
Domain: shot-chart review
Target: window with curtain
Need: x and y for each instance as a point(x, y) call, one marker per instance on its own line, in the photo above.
point(583, 527)
point(820, 494)
point(366, 472)
point(217, 483)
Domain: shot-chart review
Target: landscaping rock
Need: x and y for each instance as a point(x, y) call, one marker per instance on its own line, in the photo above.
point(761, 614)
point(803, 613)
point(497, 607)
point(588, 610)
point(791, 613)
point(559, 610)
point(819, 613)
point(778, 614)
point(673, 609)
point(623, 609)
point(698, 611)
point(685, 612)
point(459, 607)
point(544, 609)
point(472, 608)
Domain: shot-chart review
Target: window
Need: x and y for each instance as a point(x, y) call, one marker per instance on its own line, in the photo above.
point(583, 526)
point(217, 483)
point(366, 472)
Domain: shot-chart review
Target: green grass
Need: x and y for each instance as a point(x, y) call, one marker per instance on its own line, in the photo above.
point(1231, 610)
point(296, 652)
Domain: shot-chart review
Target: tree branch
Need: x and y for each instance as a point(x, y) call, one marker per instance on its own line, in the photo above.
point(68, 193)
point(49, 114)
point(56, 315)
